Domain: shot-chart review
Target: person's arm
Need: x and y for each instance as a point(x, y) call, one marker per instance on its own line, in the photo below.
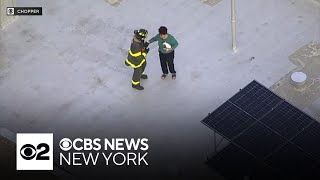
point(155, 38)
point(174, 43)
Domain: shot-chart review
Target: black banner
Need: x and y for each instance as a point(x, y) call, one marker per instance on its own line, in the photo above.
point(24, 11)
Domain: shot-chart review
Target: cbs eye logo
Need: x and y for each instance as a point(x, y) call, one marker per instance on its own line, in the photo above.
point(29, 152)
point(34, 151)
point(65, 144)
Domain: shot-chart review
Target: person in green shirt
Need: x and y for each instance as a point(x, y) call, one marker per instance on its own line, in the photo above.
point(167, 44)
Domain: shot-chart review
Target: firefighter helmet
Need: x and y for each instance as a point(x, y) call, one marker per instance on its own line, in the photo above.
point(141, 34)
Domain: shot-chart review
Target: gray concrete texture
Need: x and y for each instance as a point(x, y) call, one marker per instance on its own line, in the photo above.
point(4, 19)
point(317, 1)
point(64, 72)
point(307, 60)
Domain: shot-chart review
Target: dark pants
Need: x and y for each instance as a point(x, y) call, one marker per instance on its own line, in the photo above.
point(137, 74)
point(165, 61)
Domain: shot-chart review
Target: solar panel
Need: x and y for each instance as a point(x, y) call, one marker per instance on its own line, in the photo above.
point(256, 100)
point(287, 120)
point(263, 127)
point(229, 120)
point(217, 115)
point(307, 138)
point(259, 140)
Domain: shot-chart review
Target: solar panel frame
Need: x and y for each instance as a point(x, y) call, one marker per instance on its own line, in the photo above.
point(287, 137)
point(254, 83)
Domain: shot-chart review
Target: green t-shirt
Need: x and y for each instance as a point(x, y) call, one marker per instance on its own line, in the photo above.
point(170, 40)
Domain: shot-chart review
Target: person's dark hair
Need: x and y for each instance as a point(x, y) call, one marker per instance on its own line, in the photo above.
point(163, 30)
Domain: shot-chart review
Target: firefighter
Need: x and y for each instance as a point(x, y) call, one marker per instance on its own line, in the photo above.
point(137, 57)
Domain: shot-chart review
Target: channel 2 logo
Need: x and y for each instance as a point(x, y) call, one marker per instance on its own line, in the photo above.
point(34, 151)
point(29, 152)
